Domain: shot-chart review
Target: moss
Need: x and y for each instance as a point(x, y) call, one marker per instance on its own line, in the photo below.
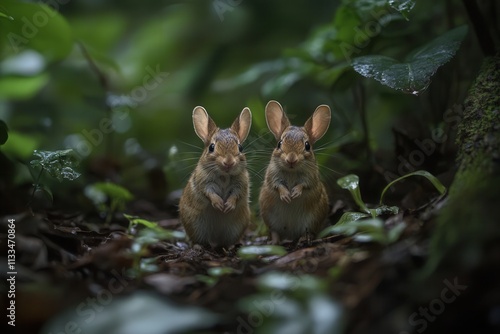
point(469, 221)
point(479, 130)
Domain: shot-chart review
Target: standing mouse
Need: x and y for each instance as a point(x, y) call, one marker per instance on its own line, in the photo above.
point(214, 206)
point(293, 200)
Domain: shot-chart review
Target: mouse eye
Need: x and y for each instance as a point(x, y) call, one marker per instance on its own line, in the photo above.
point(307, 146)
point(279, 144)
point(240, 148)
point(211, 148)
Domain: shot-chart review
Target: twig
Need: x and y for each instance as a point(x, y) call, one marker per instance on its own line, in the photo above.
point(104, 82)
point(103, 79)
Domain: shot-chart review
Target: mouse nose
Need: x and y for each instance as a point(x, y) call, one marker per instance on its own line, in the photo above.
point(228, 163)
point(291, 160)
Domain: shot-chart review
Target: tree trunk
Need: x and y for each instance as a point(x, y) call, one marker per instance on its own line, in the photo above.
point(469, 224)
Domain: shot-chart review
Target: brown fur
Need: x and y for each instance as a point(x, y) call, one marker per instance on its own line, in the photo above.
point(214, 207)
point(293, 201)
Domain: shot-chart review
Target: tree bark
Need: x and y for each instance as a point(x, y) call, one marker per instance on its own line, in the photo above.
point(469, 225)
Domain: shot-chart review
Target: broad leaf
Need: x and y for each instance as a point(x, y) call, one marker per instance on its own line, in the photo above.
point(114, 191)
point(19, 145)
point(17, 87)
point(414, 74)
point(36, 26)
point(346, 218)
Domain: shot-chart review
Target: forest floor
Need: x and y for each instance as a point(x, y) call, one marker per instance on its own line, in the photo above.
point(71, 267)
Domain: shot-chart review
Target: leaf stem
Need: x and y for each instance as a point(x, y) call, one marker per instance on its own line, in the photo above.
point(35, 187)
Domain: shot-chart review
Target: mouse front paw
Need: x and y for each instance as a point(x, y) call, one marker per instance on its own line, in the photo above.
point(296, 191)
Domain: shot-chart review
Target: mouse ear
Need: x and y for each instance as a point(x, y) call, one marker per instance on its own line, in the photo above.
point(276, 119)
point(204, 126)
point(242, 124)
point(317, 125)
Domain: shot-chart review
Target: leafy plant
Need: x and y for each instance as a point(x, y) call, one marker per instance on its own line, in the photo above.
point(295, 304)
point(364, 225)
point(366, 230)
point(58, 164)
point(108, 197)
point(214, 274)
point(351, 183)
point(150, 234)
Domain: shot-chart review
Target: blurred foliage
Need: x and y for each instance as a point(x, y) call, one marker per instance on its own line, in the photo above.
point(291, 303)
point(116, 83)
point(121, 82)
point(136, 313)
point(108, 197)
point(255, 252)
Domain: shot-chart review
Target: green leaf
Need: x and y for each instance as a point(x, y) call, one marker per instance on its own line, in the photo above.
point(289, 282)
point(254, 252)
point(351, 183)
point(136, 312)
point(20, 145)
point(16, 87)
point(36, 26)
point(345, 22)
point(208, 280)
point(346, 218)
point(220, 271)
point(159, 233)
point(113, 191)
point(365, 230)
point(99, 32)
point(370, 230)
point(58, 164)
point(435, 182)
point(395, 232)
point(414, 74)
point(4, 133)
